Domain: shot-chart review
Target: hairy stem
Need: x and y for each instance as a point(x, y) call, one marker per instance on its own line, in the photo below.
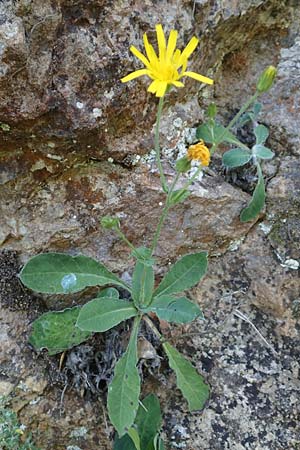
point(163, 215)
point(235, 119)
point(157, 148)
point(124, 238)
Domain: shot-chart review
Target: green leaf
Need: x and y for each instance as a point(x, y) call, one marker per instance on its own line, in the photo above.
point(148, 420)
point(262, 152)
point(178, 196)
point(57, 331)
point(124, 390)
point(257, 202)
point(189, 381)
point(108, 292)
point(143, 255)
point(261, 133)
point(175, 309)
point(124, 443)
point(236, 157)
point(215, 134)
point(134, 435)
point(147, 424)
point(58, 273)
point(142, 284)
point(187, 272)
point(101, 314)
point(160, 444)
point(257, 108)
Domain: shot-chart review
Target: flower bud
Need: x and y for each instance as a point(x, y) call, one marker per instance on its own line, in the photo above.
point(212, 111)
point(266, 79)
point(183, 165)
point(109, 222)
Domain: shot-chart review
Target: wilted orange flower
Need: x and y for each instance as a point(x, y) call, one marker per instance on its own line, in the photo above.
point(199, 152)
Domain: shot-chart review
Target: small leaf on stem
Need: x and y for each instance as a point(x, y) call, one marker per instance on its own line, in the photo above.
point(236, 157)
point(257, 202)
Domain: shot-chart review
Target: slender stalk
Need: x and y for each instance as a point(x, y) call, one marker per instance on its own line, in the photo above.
point(192, 179)
point(124, 238)
point(157, 148)
point(163, 215)
point(235, 119)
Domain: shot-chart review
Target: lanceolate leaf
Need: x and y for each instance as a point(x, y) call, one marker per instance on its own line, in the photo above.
point(236, 157)
point(148, 420)
point(134, 435)
point(101, 314)
point(175, 309)
point(261, 133)
point(187, 272)
point(215, 134)
point(189, 381)
point(262, 152)
point(58, 273)
point(257, 202)
point(124, 390)
point(142, 284)
point(57, 331)
point(147, 424)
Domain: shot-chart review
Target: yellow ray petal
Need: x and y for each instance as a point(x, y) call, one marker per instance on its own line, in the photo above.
point(184, 65)
point(140, 55)
point(178, 83)
point(153, 86)
point(153, 59)
point(176, 58)
point(189, 49)
point(197, 77)
point(171, 44)
point(161, 89)
point(161, 40)
point(135, 74)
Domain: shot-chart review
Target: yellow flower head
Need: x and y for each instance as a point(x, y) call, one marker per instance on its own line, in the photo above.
point(169, 66)
point(199, 152)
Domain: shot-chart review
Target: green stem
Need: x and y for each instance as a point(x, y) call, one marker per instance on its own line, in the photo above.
point(163, 215)
point(157, 148)
point(192, 179)
point(124, 238)
point(235, 119)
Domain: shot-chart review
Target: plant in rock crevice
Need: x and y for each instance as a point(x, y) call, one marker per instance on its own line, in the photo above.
point(57, 273)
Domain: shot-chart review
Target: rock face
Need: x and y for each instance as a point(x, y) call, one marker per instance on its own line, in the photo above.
point(74, 146)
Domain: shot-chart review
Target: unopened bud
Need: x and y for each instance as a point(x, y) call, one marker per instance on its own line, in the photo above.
point(109, 222)
point(266, 79)
point(212, 111)
point(183, 165)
